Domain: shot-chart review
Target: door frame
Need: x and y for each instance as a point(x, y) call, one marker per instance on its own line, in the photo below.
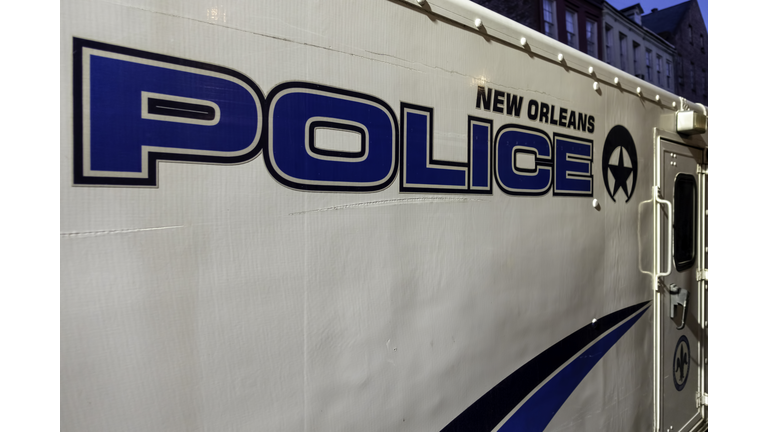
point(701, 175)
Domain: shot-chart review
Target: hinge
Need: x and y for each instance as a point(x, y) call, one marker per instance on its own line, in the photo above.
point(702, 399)
point(702, 275)
point(701, 170)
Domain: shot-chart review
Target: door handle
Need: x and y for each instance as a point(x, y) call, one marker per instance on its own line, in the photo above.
point(669, 236)
point(678, 296)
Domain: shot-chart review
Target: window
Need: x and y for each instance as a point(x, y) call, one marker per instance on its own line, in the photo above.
point(550, 28)
point(669, 74)
point(684, 222)
point(570, 29)
point(658, 69)
point(608, 44)
point(648, 65)
point(693, 78)
point(592, 38)
point(623, 51)
point(636, 51)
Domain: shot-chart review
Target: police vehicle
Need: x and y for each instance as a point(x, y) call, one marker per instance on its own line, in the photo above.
point(405, 215)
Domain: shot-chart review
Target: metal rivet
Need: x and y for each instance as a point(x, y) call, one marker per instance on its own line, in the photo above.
point(595, 203)
point(639, 90)
point(658, 98)
point(591, 70)
point(596, 86)
point(674, 104)
point(560, 57)
point(523, 41)
point(616, 80)
point(478, 22)
point(421, 2)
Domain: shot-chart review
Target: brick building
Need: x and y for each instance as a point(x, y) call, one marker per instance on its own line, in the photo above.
point(574, 22)
point(683, 26)
point(525, 12)
point(668, 47)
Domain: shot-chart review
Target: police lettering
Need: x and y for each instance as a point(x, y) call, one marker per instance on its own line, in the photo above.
point(313, 137)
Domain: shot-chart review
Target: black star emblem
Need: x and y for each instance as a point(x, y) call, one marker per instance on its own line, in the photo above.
point(620, 175)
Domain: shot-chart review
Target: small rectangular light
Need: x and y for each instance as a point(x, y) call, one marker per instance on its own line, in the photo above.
point(691, 123)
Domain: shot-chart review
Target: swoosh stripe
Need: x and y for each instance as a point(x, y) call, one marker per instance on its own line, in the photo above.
point(489, 410)
point(536, 413)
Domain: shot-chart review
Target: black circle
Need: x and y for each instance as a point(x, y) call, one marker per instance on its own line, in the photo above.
point(619, 136)
point(682, 362)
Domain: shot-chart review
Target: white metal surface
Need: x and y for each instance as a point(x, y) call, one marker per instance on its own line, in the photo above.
point(235, 294)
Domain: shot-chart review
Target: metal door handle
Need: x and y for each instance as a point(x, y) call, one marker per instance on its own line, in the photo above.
point(669, 237)
point(678, 296)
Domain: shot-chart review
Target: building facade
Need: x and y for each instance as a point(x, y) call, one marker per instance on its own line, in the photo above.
point(525, 12)
point(574, 22)
point(667, 47)
point(683, 26)
point(636, 50)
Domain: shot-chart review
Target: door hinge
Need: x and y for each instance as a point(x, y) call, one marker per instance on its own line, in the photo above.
point(702, 275)
point(701, 170)
point(702, 399)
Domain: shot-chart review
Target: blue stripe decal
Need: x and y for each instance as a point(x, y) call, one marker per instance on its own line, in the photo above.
point(491, 409)
point(536, 413)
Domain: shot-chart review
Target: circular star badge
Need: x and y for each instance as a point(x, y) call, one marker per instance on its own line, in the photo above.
point(619, 164)
point(681, 364)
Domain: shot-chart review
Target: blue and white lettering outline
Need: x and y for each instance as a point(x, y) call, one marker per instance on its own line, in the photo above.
point(83, 49)
point(328, 186)
point(468, 186)
point(405, 186)
point(542, 162)
point(473, 122)
point(146, 114)
point(574, 158)
point(315, 123)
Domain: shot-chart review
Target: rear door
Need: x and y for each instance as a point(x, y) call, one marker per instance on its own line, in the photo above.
point(681, 288)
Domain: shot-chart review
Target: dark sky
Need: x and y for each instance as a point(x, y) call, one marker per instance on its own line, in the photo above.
point(647, 5)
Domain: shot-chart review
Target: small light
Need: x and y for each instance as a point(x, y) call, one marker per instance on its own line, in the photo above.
point(478, 22)
point(560, 57)
point(596, 86)
point(616, 80)
point(523, 41)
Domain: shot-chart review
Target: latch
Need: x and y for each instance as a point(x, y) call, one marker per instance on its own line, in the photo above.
point(678, 296)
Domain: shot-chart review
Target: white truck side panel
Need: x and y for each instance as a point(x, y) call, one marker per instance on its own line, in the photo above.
point(224, 300)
